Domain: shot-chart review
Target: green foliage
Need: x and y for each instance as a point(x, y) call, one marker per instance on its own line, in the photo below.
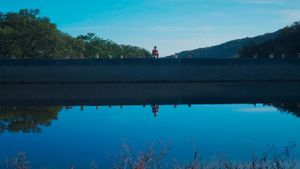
point(25, 34)
point(226, 50)
point(26, 119)
point(286, 44)
point(98, 47)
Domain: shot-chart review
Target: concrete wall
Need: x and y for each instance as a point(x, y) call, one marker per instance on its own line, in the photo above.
point(148, 70)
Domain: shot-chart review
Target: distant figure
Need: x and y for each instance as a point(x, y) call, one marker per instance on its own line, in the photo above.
point(155, 109)
point(155, 53)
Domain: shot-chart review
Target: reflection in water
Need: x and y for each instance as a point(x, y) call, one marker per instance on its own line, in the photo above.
point(32, 119)
point(32, 107)
point(148, 93)
point(100, 133)
point(292, 108)
point(27, 119)
point(155, 109)
point(95, 127)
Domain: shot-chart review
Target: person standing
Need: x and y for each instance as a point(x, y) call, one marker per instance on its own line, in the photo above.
point(155, 53)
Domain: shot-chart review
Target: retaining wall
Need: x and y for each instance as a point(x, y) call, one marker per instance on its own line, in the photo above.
point(148, 70)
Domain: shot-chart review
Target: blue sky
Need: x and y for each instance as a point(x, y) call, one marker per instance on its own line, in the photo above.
point(172, 25)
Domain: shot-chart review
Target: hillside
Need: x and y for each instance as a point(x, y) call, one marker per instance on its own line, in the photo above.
point(286, 44)
point(226, 50)
point(26, 34)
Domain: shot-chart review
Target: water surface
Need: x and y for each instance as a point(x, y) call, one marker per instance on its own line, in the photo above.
point(58, 136)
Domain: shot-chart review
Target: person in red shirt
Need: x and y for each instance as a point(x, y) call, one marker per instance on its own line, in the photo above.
point(155, 53)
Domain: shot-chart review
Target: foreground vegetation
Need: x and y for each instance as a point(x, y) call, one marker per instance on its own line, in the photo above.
point(155, 158)
point(25, 34)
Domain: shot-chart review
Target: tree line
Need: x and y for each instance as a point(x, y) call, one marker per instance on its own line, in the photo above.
point(286, 44)
point(27, 119)
point(26, 34)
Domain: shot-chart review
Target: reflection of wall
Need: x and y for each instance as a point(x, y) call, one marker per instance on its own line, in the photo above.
point(26, 119)
point(148, 93)
point(145, 70)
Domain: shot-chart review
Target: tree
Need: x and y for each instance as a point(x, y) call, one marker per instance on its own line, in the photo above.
point(285, 44)
point(96, 46)
point(26, 119)
point(25, 34)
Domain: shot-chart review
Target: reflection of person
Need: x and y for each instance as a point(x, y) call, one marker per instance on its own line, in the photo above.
point(155, 53)
point(155, 109)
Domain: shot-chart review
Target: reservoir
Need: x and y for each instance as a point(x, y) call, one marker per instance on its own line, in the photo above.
point(82, 125)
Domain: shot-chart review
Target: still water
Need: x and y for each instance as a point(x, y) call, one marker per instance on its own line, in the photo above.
point(56, 136)
point(79, 136)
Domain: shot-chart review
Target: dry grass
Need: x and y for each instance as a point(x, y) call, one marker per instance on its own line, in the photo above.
point(18, 162)
point(155, 158)
point(151, 159)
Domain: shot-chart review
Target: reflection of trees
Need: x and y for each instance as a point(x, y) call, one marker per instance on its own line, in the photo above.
point(26, 119)
point(292, 108)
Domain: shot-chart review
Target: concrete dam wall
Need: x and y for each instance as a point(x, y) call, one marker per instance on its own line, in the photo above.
point(148, 70)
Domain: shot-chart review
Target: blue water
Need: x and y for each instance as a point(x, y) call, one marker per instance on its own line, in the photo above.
point(79, 136)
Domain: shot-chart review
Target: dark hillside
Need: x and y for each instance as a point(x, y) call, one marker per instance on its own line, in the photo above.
point(286, 44)
point(226, 50)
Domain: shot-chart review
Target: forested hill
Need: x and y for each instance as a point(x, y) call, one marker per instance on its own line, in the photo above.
point(286, 44)
point(226, 50)
point(25, 34)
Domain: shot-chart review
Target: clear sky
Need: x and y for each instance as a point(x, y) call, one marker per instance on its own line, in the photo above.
point(172, 25)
